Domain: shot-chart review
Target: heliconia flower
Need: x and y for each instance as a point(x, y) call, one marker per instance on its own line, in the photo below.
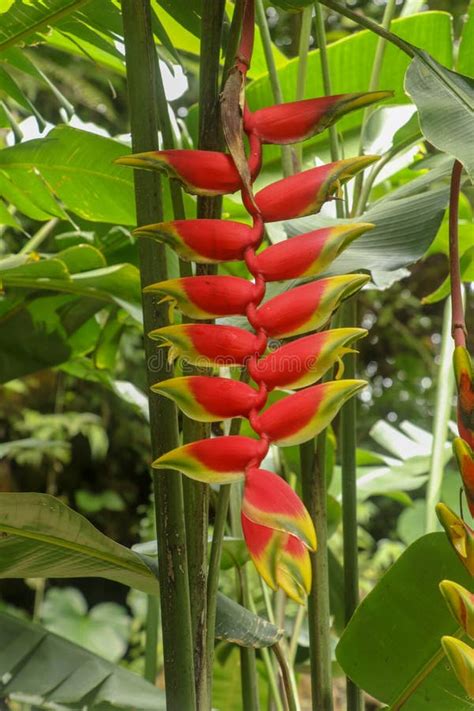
point(308, 307)
point(305, 360)
point(281, 559)
point(307, 254)
point(461, 536)
point(207, 297)
point(300, 417)
point(221, 460)
point(465, 459)
point(200, 172)
point(208, 345)
point(202, 241)
point(270, 501)
point(461, 658)
point(209, 399)
point(463, 374)
point(299, 120)
point(305, 193)
point(461, 604)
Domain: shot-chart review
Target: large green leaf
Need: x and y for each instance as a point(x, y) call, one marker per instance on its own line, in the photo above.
point(78, 169)
point(445, 102)
point(466, 48)
point(391, 647)
point(24, 18)
point(44, 538)
point(39, 664)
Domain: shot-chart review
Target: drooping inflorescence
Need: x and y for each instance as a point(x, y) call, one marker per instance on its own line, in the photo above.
point(276, 526)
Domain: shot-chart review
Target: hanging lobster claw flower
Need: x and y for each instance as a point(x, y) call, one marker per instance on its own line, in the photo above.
point(208, 345)
point(461, 536)
point(302, 416)
point(305, 360)
point(461, 658)
point(465, 459)
point(298, 120)
point(270, 501)
point(200, 172)
point(463, 374)
point(305, 193)
point(209, 399)
point(281, 559)
point(308, 254)
point(222, 460)
point(461, 604)
point(202, 241)
point(207, 297)
point(308, 307)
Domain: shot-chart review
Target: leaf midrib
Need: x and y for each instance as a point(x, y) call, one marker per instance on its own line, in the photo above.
point(65, 168)
point(78, 548)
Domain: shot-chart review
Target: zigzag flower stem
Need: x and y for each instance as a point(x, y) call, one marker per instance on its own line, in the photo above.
point(277, 528)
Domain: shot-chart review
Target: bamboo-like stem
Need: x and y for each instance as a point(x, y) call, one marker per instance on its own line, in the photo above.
point(286, 156)
point(458, 322)
point(288, 679)
point(370, 25)
point(443, 406)
point(303, 49)
point(169, 506)
point(293, 646)
point(151, 631)
point(319, 626)
point(250, 701)
point(326, 75)
point(40, 236)
point(387, 18)
point(347, 443)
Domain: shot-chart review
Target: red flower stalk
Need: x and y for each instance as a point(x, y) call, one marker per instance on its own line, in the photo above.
point(277, 528)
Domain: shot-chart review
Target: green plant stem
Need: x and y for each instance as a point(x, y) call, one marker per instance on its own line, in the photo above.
point(233, 39)
point(388, 16)
point(443, 406)
point(286, 157)
point(169, 505)
point(40, 236)
point(347, 444)
point(293, 647)
point(250, 700)
point(370, 25)
point(319, 625)
point(288, 680)
point(303, 49)
point(151, 630)
point(459, 330)
point(326, 76)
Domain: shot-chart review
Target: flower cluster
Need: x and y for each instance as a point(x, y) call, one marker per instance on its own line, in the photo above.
point(276, 526)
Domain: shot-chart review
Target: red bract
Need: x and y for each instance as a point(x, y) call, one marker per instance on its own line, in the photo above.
point(200, 172)
point(307, 254)
point(203, 241)
point(465, 387)
point(209, 399)
point(307, 307)
point(465, 459)
point(305, 193)
point(302, 416)
point(207, 297)
point(299, 120)
point(209, 345)
point(305, 360)
point(222, 460)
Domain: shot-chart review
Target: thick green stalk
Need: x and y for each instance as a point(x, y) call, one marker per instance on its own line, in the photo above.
point(169, 505)
point(443, 406)
point(347, 445)
point(326, 75)
point(388, 16)
point(319, 625)
point(151, 647)
point(287, 678)
point(286, 156)
point(303, 49)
